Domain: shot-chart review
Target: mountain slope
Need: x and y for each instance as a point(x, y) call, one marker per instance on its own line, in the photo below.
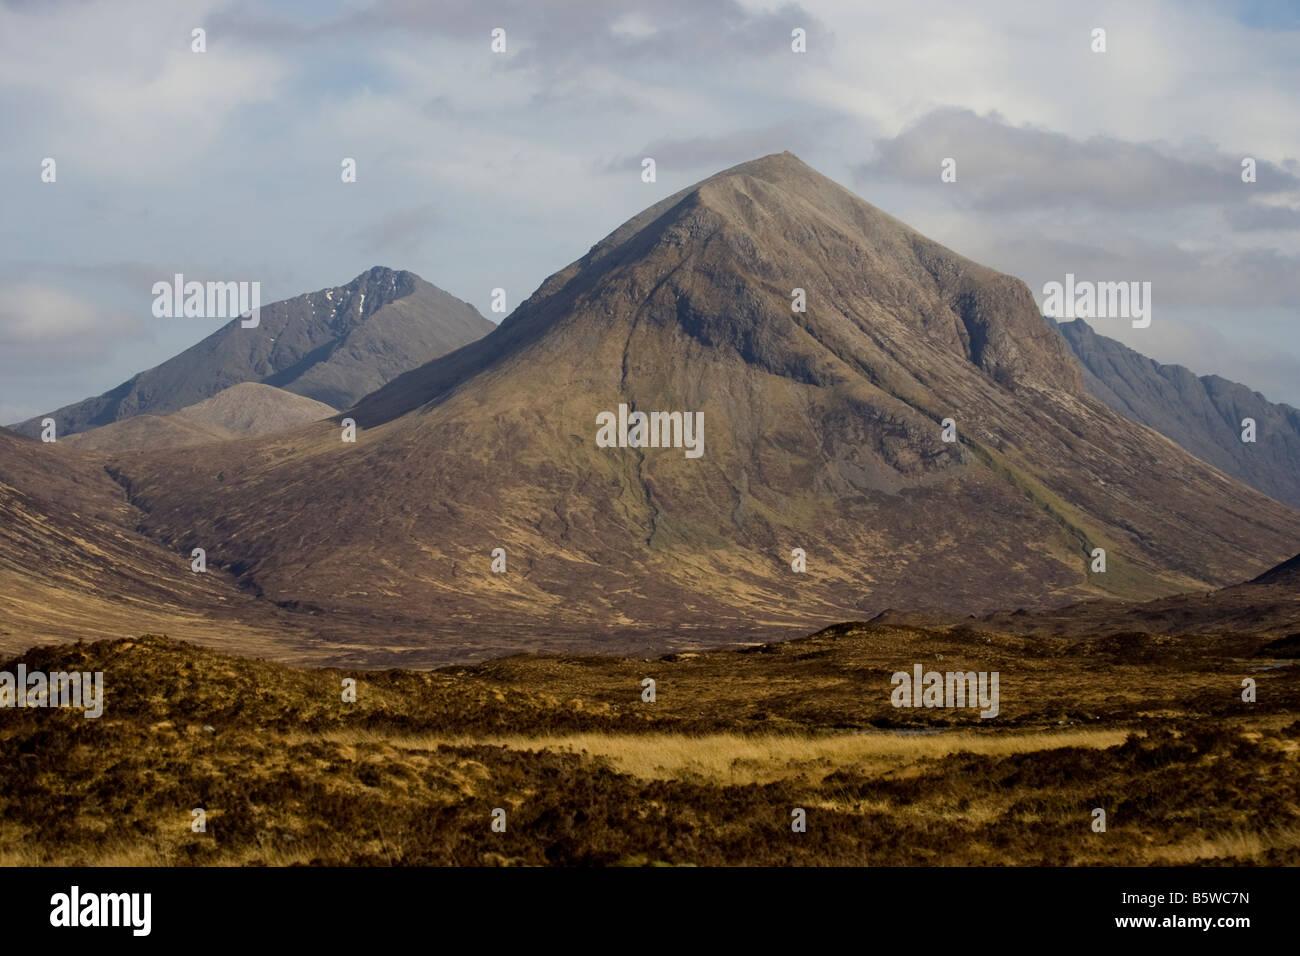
point(1201, 413)
point(241, 411)
point(145, 431)
point(822, 431)
point(72, 566)
point(333, 346)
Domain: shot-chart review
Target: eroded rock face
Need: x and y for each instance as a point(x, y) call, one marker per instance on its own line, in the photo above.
point(1203, 413)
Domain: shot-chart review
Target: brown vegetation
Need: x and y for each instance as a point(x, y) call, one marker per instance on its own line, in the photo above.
point(1152, 731)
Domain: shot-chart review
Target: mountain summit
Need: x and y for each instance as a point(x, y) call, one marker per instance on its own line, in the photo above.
point(332, 346)
point(915, 436)
point(719, 261)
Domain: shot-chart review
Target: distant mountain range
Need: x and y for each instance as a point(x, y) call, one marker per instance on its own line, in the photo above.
point(1202, 413)
point(333, 346)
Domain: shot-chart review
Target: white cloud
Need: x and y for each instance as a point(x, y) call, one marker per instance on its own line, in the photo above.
point(40, 321)
point(113, 90)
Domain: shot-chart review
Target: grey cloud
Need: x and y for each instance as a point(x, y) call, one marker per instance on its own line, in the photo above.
point(40, 322)
point(17, 413)
point(562, 35)
point(1235, 280)
point(1257, 216)
point(402, 230)
point(137, 277)
point(1004, 167)
point(441, 108)
point(249, 23)
point(719, 152)
point(42, 6)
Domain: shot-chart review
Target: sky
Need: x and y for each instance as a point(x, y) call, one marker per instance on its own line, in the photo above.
point(480, 170)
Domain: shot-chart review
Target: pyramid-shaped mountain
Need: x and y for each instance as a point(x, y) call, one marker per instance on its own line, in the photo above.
point(823, 434)
point(333, 346)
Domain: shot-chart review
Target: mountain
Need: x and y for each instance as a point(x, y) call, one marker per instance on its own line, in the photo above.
point(241, 411)
point(333, 346)
point(822, 432)
point(73, 567)
point(1202, 413)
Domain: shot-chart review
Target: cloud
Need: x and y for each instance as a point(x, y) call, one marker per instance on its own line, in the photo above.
point(133, 278)
point(575, 36)
point(400, 231)
point(14, 414)
point(42, 322)
point(1197, 278)
point(1004, 167)
point(713, 153)
point(119, 95)
point(227, 163)
point(1258, 216)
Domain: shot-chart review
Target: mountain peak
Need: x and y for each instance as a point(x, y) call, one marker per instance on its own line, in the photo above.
point(775, 166)
point(784, 269)
point(774, 225)
point(385, 283)
point(333, 345)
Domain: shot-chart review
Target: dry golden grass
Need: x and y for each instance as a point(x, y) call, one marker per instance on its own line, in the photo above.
point(737, 759)
point(1242, 845)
